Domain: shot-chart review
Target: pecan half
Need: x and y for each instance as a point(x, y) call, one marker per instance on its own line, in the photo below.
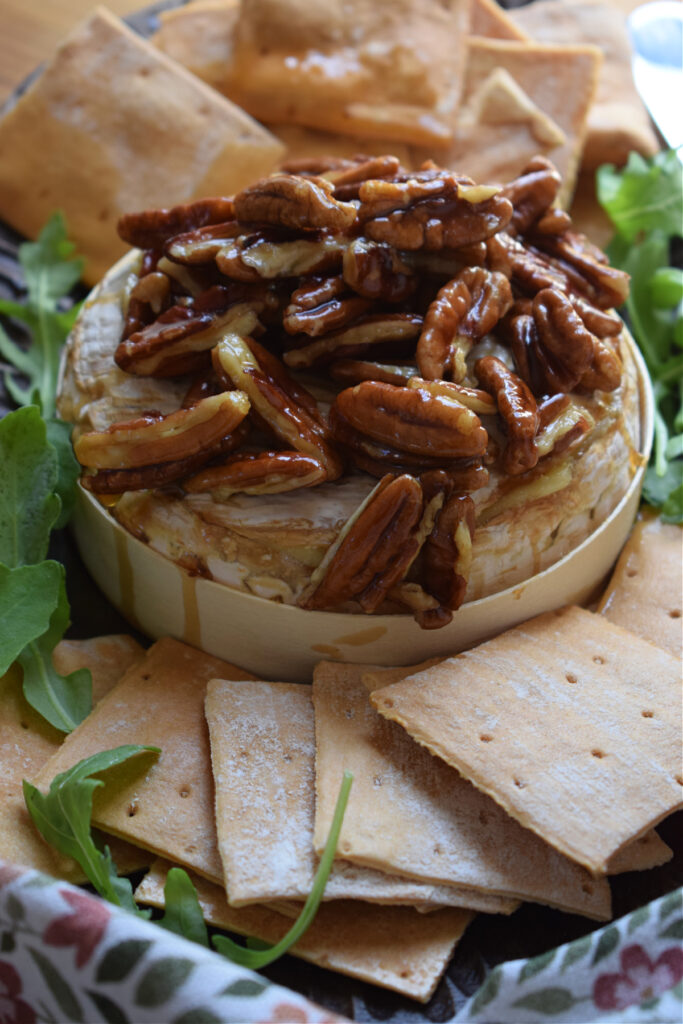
point(354, 371)
point(532, 193)
point(562, 333)
point(447, 553)
point(258, 255)
point(586, 268)
point(318, 307)
point(373, 551)
point(375, 329)
point(464, 310)
point(150, 229)
point(289, 200)
point(518, 410)
point(474, 398)
point(562, 423)
point(413, 420)
point(377, 271)
point(154, 438)
point(276, 406)
point(269, 472)
point(203, 244)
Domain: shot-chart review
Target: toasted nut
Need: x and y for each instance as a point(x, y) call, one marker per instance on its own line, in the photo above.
point(562, 423)
point(464, 310)
point(177, 342)
point(517, 407)
point(289, 200)
point(562, 333)
point(256, 256)
point(279, 409)
point(374, 549)
point(474, 398)
point(117, 481)
point(203, 244)
point(377, 271)
point(447, 552)
point(155, 438)
point(258, 473)
point(604, 373)
point(151, 228)
point(427, 611)
point(413, 420)
point(350, 341)
point(598, 321)
point(586, 268)
point(441, 223)
point(532, 193)
point(354, 371)
point(322, 306)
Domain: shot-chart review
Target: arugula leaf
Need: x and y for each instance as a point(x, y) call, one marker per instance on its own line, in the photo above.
point(644, 196)
point(28, 598)
point(29, 508)
point(68, 469)
point(645, 204)
point(264, 955)
point(63, 701)
point(63, 816)
point(183, 915)
point(50, 272)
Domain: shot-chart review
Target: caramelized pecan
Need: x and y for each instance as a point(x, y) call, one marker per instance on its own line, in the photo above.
point(319, 307)
point(464, 310)
point(150, 229)
point(377, 271)
point(447, 552)
point(413, 420)
point(266, 472)
point(474, 398)
point(155, 438)
point(518, 410)
point(375, 329)
point(562, 423)
point(289, 200)
point(585, 268)
point(532, 193)
point(373, 551)
point(562, 333)
point(203, 244)
point(260, 255)
point(354, 371)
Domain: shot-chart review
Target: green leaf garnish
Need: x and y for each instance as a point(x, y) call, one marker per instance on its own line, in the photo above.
point(183, 915)
point(644, 201)
point(28, 598)
point(50, 272)
point(63, 817)
point(257, 958)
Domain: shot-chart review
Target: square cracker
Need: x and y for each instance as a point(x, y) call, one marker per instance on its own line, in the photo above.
point(393, 947)
point(126, 129)
point(569, 722)
point(489, 19)
point(409, 812)
point(384, 70)
point(262, 750)
point(559, 83)
point(27, 741)
point(159, 702)
point(646, 589)
point(199, 36)
point(617, 119)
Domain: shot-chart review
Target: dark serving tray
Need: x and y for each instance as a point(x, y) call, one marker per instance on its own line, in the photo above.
point(490, 940)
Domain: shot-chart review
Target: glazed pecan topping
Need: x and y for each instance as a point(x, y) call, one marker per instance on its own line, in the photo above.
point(586, 268)
point(322, 306)
point(563, 335)
point(261, 255)
point(374, 551)
point(518, 410)
point(532, 193)
point(376, 329)
point(377, 271)
point(291, 201)
point(474, 398)
point(150, 229)
point(203, 244)
point(447, 552)
point(355, 371)
point(464, 310)
point(561, 423)
point(257, 473)
point(413, 420)
point(155, 438)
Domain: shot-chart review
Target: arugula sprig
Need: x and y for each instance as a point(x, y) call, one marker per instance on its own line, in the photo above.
point(50, 272)
point(63, 817)
point(644, 202)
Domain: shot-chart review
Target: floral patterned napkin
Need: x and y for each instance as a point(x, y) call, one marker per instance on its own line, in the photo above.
point(67, 956)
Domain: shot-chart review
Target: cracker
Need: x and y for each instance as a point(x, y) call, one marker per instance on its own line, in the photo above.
point(159, 702)
point(646, 852)
point(127, 129)
point(489, 19)
point(559, 81)
point(411, 813)
point(645, 592)
point(571, 723)
point(262, 749)
point(393, 947)
point(199, 36)
point(27, 741)
point(617, 119)
point(390, 71)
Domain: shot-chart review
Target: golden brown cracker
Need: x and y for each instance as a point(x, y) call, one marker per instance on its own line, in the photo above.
point(617, 120)
point(199, 36)
point(126, 129)
point(165, 805)
point(569, 722)
point(411, 813)
point(489, 19)
point(645, 592)
point(263, 749)
point(27, 741)
point(393, 947)
point(389, 71)
point(646, 852)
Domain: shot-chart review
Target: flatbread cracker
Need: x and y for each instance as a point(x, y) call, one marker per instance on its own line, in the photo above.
point(617, 120)
point(263, 750)
point(393, 947)
point(571, 723)
point(27, 741)
point(488, 19)
point(199, 36)
point(560, 81)
point(409, 812)
point(389, 71)
point(159, 702)
point(645, 592)
point(646, 852)
point(127, 129)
